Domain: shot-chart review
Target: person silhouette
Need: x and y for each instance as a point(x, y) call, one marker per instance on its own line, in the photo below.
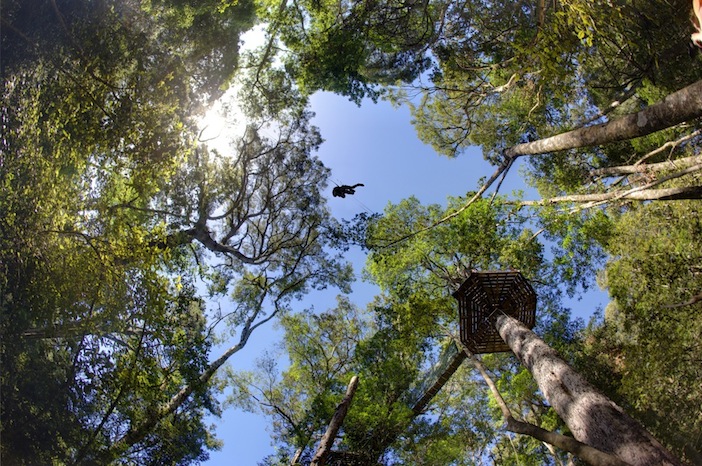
point(344, 189)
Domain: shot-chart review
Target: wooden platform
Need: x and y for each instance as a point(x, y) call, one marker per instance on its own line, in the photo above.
point(481, 297)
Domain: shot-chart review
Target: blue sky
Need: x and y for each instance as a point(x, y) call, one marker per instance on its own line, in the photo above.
point(375, 145)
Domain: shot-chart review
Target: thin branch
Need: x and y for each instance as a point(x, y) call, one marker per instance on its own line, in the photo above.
point(61, 19)
point(594, 200)
point(499, 185)
point(643, 193)
point(84, 450)
point(670, 144)
point(695, 299)
point(624, 97)
point(128, 205)
point(271, 41)
point(500, 170)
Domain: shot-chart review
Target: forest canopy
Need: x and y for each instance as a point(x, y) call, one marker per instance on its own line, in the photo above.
point(131, 252)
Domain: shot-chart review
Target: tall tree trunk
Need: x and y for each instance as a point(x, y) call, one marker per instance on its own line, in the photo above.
point(663, 194)
point(592, 417)
point(678, 107)
point(320, 457)
point(585, 452)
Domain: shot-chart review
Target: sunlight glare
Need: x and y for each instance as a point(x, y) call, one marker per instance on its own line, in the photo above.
point(224, 122)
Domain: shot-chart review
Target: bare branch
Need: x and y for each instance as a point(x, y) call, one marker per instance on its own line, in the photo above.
point(669, 145)
point(640, 193)
point(665, 194)
point(652, 167)
point(320, 457)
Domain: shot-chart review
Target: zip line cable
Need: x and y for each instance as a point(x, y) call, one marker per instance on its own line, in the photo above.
point(336, 182)
point(501, 170)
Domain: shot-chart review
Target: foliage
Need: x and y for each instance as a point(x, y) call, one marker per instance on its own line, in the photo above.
point(502, 75)
point(325, 350)
point(420, 272)
point(392, 349)
point(491, 74)
point(350, 48)
point(506, 75)
point(118, 226)
point(651, 329)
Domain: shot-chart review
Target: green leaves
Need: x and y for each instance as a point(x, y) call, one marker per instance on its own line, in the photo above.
point(350, 49)
point(112, 212)
point(480, 237)
point(115, 220)
point(649, 329)
point(325, 350)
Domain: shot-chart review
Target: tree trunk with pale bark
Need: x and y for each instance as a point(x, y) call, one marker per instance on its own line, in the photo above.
point(663, 194)
point(592, 417)
point(320, 457)
point(678, 107)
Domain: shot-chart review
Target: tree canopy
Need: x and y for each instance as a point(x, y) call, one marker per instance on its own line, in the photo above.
point(130, 250)
point(502, 76)
point(121, 229)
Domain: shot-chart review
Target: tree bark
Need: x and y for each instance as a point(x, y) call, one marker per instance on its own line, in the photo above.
point(592, 417)
point(648, 167)
point(320, 457)
point(678, 107)
point(296, 458)
point(664, 194)
point(591, 455)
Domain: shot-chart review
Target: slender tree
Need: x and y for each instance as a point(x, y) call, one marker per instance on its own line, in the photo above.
point(591, 455)
point(325, 445)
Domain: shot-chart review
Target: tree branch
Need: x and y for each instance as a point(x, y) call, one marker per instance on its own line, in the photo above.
point(320, 457)
point(504, 168)
point(678, 107)
point(641, 193)
point(84, 449)
point(669, 145)
point(695, 299)
point(665, 194)
point(644, 168)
